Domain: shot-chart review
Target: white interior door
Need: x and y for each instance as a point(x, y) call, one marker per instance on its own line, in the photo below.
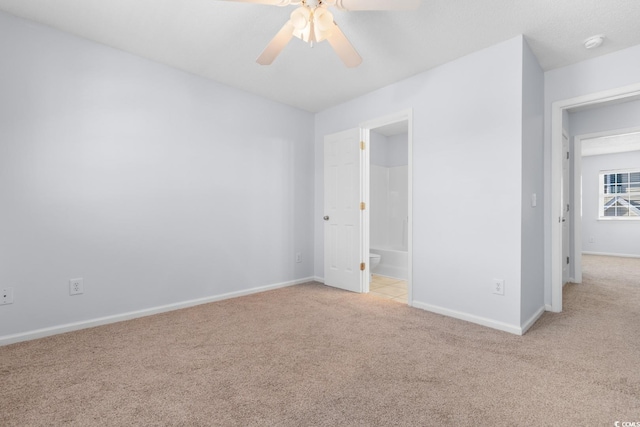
point(565, 209)
point(343, 217)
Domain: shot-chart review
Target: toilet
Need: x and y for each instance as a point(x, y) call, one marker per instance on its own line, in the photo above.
point(374, 260)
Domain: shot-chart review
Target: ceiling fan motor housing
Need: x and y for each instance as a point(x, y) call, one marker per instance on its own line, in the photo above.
point(312, 4)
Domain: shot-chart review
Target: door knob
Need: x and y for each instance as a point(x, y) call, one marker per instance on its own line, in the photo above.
point(326, 217)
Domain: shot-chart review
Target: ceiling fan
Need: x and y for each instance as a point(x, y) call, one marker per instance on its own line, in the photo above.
point(312, 22)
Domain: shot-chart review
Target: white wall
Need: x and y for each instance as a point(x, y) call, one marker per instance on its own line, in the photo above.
point(467, 118)
point(532, 183)
point(605, 72)
point(153, 185)
point(609, 236)
point(398, 154)
point(606, 118)
point(389, 151)
point(378, 151)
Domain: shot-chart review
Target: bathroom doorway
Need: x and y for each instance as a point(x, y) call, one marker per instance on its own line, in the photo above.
point(387, 227)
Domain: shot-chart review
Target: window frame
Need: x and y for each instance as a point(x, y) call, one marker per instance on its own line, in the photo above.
point(602, 194)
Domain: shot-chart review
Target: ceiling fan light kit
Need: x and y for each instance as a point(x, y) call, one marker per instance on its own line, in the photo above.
point(312, 25)
point(312, 22)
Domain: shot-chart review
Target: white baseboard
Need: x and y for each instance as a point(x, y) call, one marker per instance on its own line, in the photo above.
point(548, 307)
point(501, 326)
point(533, 319)
point(318, 279)
point(59, 329)
point(610, 254)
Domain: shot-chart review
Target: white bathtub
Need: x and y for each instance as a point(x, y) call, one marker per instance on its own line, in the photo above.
point(393, 263)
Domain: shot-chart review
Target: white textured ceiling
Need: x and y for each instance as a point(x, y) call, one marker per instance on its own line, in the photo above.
point(221, 39)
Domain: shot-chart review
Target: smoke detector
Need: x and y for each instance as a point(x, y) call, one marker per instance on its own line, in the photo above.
point(594, 41)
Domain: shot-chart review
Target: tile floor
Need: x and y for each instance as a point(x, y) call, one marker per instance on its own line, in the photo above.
point(389, 288)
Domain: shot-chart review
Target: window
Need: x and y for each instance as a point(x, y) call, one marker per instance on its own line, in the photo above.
point(620, 194)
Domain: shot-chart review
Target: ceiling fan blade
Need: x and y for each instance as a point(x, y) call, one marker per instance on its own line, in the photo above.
point(343, 47)
point(377, 4)
point(276, 44)
point(270, 2)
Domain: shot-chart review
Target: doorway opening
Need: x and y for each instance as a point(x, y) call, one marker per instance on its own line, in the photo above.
point(591, 236)
point(348, 253)
point(388, 192)
point(559, 242)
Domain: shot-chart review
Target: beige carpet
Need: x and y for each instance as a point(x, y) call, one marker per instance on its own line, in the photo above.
point(310, 355)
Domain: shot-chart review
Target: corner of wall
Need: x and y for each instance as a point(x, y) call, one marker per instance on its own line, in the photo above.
point(532, 227)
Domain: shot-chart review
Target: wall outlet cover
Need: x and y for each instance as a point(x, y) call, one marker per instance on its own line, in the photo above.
point(76, 286)
point(498, 286)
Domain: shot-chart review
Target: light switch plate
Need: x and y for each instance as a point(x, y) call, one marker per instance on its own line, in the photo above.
point(6, 296)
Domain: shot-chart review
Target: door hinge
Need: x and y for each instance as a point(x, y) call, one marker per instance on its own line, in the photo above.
point(567, 207)
point(363, 206)
point(362, 145)
point(362, 266)
point(567, 155)
point(567, 260)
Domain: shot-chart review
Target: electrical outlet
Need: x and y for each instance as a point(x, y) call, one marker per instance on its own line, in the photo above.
point(498, 286)
point(6, 296)
point(76, 287)
point(298, 257)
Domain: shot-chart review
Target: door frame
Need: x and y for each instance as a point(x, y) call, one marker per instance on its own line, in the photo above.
point(554, 246)
point(365, 133)
point(567, 215)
